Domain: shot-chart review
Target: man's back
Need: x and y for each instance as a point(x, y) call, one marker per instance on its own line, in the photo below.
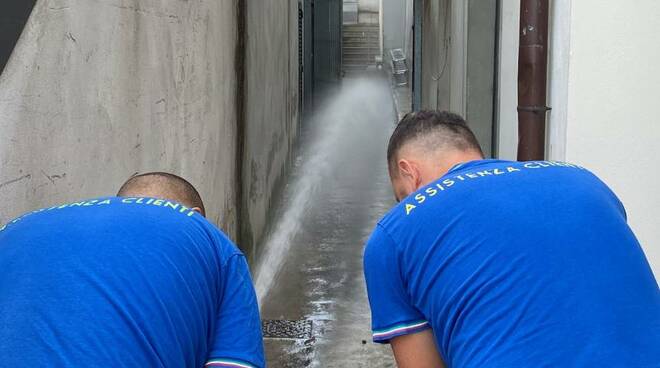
point(515, 265)
point(121, 281)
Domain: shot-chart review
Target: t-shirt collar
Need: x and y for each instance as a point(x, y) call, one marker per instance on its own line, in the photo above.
point(471, 164)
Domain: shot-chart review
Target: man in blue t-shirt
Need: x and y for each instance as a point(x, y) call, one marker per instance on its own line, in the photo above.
point(137, 280)
point(490, 263)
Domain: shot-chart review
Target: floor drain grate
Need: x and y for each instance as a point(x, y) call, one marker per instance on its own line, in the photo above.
point(284, 329)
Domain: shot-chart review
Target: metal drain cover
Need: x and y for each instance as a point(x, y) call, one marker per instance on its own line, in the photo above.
point(285, 329)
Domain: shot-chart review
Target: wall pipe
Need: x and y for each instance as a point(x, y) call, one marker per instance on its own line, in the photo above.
point(418, 16)
point(532, 79)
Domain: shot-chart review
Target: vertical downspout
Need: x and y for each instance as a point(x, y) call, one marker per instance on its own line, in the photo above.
point(380, 33)
point(240, 102)
point(532, 79)
point(495, 130)
point(340, 36)
point(418, 13)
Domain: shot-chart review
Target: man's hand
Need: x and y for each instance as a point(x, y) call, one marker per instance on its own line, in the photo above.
point(416, 351)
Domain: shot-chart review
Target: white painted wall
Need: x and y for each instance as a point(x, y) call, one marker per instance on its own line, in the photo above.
point(603, 90)
point(507, 122)
point(559, 61)
point(612, 124)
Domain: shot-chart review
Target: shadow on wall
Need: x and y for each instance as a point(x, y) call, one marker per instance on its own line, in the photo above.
point(13, 17)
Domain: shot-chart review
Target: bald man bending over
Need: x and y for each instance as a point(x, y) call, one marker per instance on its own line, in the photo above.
point(137, 280)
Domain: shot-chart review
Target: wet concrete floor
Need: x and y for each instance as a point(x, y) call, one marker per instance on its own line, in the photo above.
point(319, 277)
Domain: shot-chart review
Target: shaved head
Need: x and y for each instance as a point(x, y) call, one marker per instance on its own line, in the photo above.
point(165, 186)
point(430, 133)
point(424, 146)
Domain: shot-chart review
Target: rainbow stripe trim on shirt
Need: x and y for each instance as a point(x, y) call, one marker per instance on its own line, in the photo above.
point(227, 363)
point(401, 329)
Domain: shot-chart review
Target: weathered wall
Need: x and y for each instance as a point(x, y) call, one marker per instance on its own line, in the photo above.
point(98, 90)
point(13, 17)
point(271, 108)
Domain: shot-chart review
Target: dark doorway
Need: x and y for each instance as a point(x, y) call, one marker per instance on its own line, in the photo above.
point(327, 46)
point(13, 17)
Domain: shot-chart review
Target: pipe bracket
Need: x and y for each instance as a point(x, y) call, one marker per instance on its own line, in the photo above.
point(534, 108)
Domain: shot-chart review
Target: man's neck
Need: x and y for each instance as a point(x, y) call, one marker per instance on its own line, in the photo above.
point(442, 166)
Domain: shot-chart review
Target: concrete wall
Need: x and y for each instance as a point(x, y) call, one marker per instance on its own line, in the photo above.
point(436, 69)
point(397, 27)
point(369, 6)
point(458, 44)
point(603, 87)
point(13, 17)
point(99, 90)
point(480, 70)
point(444, 55)
point(271, 107)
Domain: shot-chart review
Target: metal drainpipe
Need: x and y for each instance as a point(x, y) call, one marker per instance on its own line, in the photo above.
point(532, 79)
point(380, 31)
point(418, 16)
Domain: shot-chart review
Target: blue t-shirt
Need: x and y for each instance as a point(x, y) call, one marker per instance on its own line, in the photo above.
point(124, 282)
point(515, 265)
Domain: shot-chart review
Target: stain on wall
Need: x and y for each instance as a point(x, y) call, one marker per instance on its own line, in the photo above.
point(271, 109)
point(96, 91)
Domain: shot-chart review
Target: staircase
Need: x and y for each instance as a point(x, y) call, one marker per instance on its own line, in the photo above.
point(361, 45)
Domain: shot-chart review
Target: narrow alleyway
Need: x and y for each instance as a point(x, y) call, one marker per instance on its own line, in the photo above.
point(312, 263)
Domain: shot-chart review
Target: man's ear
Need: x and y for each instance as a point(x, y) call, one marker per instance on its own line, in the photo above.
point(409, 172)
point(198, 210)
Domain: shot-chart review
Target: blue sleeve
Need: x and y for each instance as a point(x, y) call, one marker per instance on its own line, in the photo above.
point(238, 341)
point(392, 314)
point(610, 195)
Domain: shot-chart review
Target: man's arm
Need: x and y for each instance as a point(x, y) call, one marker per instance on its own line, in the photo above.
point(238, 341)
point(395, 320)
point(416, 351)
